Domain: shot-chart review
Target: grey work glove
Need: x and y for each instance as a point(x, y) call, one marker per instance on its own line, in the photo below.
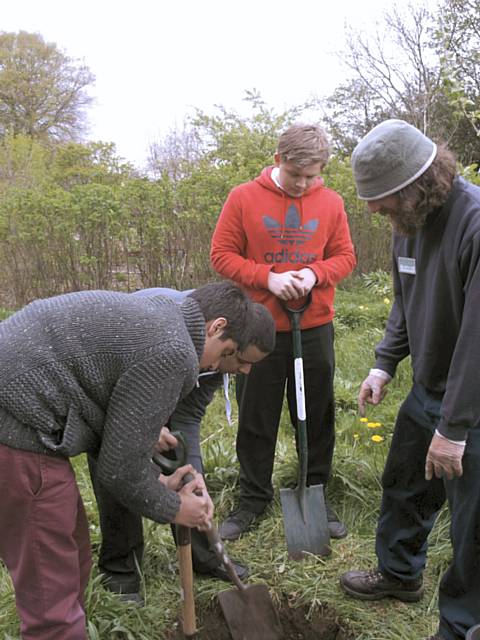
point(444, 458)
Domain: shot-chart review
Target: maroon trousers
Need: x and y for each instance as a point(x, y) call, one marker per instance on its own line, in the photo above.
point(44, 543)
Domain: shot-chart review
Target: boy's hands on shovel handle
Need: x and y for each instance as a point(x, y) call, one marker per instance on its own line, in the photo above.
point(291, 285)
point(372, 392)
point(196, 506)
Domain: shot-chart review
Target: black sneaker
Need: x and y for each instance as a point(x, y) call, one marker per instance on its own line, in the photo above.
point(336, 528)
point(373, 585)
point(126, 591)
point(221, 573)
point(133, 599)
point(236, 523)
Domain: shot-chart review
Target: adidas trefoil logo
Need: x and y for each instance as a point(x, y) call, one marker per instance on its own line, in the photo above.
point(292, 233)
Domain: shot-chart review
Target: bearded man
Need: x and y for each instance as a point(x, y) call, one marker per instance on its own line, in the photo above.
point(435, 450)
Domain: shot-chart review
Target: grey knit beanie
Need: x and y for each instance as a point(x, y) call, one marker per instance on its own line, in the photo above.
point(391, 156)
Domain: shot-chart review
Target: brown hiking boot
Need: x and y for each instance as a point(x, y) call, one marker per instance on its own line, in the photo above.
point(373, 585)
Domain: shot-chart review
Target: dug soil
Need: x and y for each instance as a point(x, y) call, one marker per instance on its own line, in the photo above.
point(321, 625)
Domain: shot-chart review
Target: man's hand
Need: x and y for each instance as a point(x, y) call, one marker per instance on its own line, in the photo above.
point(371, 391)
point(306, 280)
point(196, 507)
point(175, 481)
point(444, 458)
point(166, 441)
point(287, 285)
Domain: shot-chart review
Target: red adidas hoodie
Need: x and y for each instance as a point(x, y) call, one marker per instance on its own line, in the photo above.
point(262, 228)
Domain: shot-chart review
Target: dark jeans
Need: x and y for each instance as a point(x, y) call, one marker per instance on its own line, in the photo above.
point(121, 549)
point(260, 397)
point(410, 505)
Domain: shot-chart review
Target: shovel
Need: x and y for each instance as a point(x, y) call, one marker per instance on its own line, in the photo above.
point(248, 610)
point(304, 510)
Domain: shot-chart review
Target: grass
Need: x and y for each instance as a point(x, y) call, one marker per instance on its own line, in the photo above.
point(354, 491)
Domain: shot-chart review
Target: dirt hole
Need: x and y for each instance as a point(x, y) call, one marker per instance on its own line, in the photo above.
point(321, 625)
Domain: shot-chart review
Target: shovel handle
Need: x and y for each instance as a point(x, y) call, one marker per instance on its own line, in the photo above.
point(218, 548)
point(184, 552)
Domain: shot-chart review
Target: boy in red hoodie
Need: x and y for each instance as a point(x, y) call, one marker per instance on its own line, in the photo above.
point(284, 236)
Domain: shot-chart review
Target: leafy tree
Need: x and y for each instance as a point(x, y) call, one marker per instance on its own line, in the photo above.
point(394, 74)
point(457, 39)
point(419, 66)
point(42, 91)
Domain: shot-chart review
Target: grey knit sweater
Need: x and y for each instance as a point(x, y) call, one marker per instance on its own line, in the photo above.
point(100, 372)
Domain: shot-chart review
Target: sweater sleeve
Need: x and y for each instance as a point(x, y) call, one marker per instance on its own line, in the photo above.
point(394, 347)
point(339, 258)
point(229, 244)
point(189, 414)
point(143, 399)
point(461, 402)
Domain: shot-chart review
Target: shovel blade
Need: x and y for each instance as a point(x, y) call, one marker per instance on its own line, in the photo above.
point(306, 525)
point(250, 614)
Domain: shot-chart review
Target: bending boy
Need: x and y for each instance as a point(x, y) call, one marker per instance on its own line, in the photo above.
point(96, 372)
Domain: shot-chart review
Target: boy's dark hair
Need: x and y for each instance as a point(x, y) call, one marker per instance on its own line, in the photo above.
point(226, 300)
point(262, 329)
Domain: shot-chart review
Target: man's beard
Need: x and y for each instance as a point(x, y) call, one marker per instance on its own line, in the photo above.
point(406, 219)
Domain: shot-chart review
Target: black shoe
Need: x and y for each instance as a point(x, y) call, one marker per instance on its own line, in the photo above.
point(373, 585)
point(134, 599)
point(126, 592)
point(336, 528)
point(236, 523)
point(221, 573)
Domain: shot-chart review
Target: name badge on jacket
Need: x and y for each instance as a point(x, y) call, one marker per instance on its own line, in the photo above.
point(407, 265)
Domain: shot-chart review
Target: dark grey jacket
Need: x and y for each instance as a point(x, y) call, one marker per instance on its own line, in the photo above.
point(435, 317)
point(100, 372)
point(190, 411)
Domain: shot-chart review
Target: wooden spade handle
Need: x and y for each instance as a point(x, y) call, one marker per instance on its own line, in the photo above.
point(184, 552)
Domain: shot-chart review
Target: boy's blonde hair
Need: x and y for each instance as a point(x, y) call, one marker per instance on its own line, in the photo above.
point(304, 144)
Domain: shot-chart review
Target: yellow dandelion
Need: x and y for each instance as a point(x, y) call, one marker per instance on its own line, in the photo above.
point(377, 438)
point(363, 419)
point(386, 300)
point(374, 425)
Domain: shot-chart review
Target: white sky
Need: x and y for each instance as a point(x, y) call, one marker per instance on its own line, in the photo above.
point(154, 60)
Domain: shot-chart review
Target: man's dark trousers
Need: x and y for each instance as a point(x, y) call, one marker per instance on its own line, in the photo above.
point(260, 398)
point(121, 550)
point(411, 504)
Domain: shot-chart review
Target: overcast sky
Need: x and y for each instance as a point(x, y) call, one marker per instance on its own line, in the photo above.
point(154, 60)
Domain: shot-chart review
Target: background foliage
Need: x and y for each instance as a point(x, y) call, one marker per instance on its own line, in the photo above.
point(74, 215)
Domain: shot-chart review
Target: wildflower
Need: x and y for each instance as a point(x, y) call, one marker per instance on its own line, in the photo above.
point(363, 419)
point(356, 436)
point(374, 425)
point(386, 300)
point(360, 306)
point(377, 438)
